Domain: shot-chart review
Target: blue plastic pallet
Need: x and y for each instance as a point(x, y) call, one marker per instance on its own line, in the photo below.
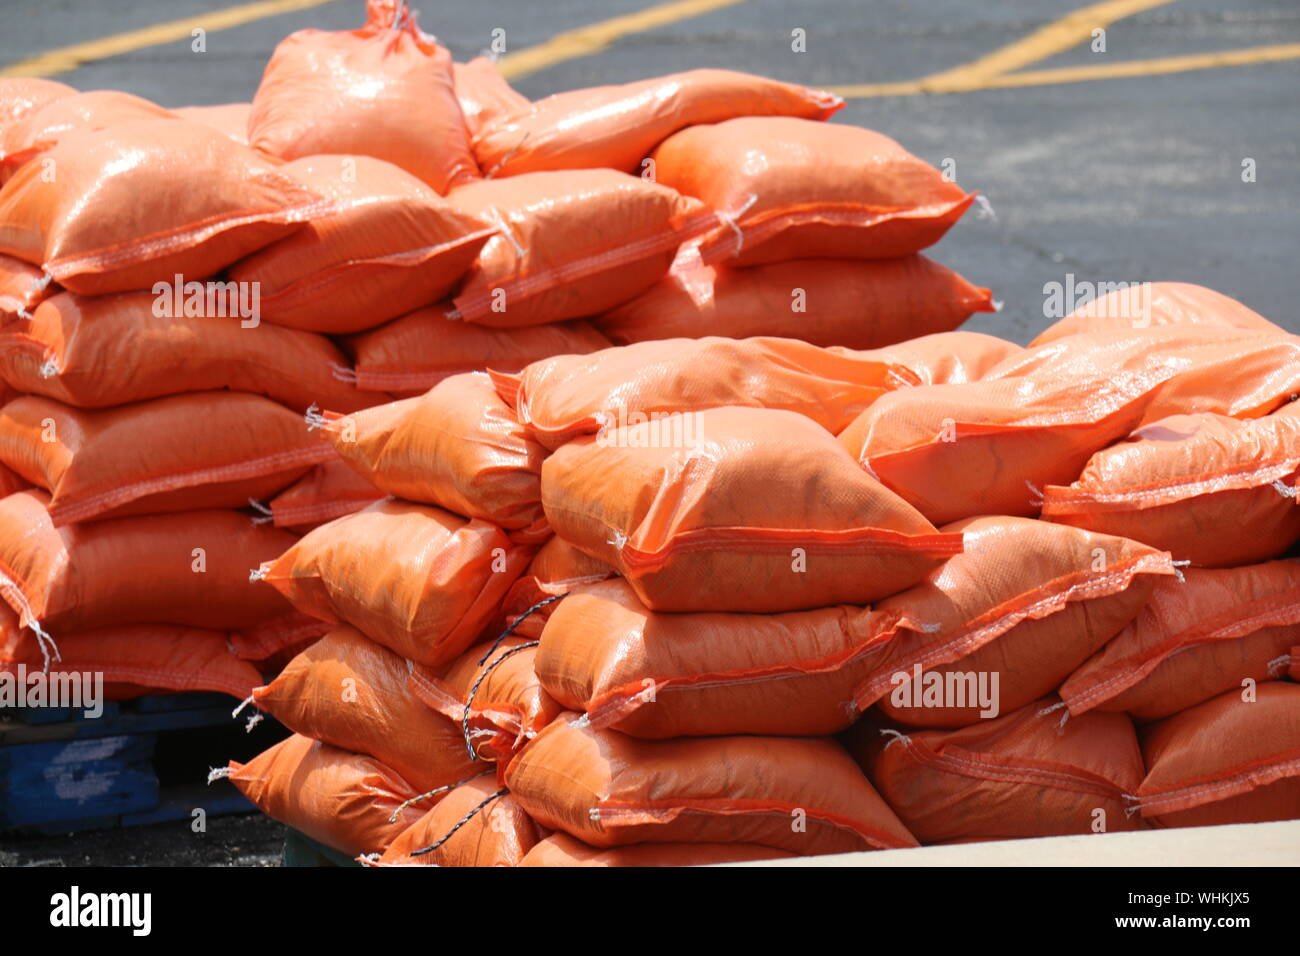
point(64, 772)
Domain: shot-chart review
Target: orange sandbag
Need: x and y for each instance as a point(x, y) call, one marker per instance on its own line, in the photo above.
point(483, 93)
point(576, 243)
point(1186, 368)
point(859, 304)
point(187, 569)
point(98, 109)
point(96, 351)
point(1017, 776)
point(139, 659)
point(350, 692)
point(340, 799)
point(384, 90)
point(674, 675)
point(1153, 304)
point(506, 704)
point(616, 127)
point(419, 580)
point(458, 446)
point(607, 790)
point(229, 119)
point(495, 831)
point(556, 569)
point(560, 849)
point(951, 358)
point(391, 244)
point(410, 355)
point(753, 510)
point(1194, 639)
point(558, 562)
point(989, 447)
point(11, 482)
point(22, 95)
point(188, 201)
point(22, 287)
point(799, 189)
point(1003, 623)
point(128, 461)
point(566, 396)
point(1178, 477)
point(330, 490)
point(1228, 760)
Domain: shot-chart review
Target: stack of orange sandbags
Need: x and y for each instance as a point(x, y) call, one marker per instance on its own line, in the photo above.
point(414, 586)
point(819, 225)
point(1168, 431)
point(149, 402)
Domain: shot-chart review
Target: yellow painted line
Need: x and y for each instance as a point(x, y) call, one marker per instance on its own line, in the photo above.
point(1152, 67)
point(585, 41)
point(1102, 71)
point(68, 58)
point(1058, 36)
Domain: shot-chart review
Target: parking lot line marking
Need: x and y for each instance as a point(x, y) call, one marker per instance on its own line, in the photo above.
point(1156, 66)
point(1056, 37)
point(595, 37)
point(1151, 67)
point(67, 58)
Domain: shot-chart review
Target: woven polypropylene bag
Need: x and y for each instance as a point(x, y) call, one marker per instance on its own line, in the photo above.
point(656, 675)
point(21, 95)
point(1177, 477)
point(188, 569)
point(384, 90)
point(22, 287)
point(147, 458)
point(343, 800)
point(97, 351)
point(1194, 639)
point(419, 580)
point(135, 659)
point(567, 396)
point(1233, 759)
point(607, 790)
point(616, 127)
point(351, 692)
point(491, 693)
point(140, 202)
point(36, 132)
point(473, 825)
point(228, 119)
point(330, 490)
point(389, 245)
point(1020, 775)
point(410, 355)
point(989, 447)
point(800, 189)
point(859, 304)
point(1004, 622)
point(575, 243)
point(1152, 304)
point(483, 93)
point(458, 446)
point(737, 509)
